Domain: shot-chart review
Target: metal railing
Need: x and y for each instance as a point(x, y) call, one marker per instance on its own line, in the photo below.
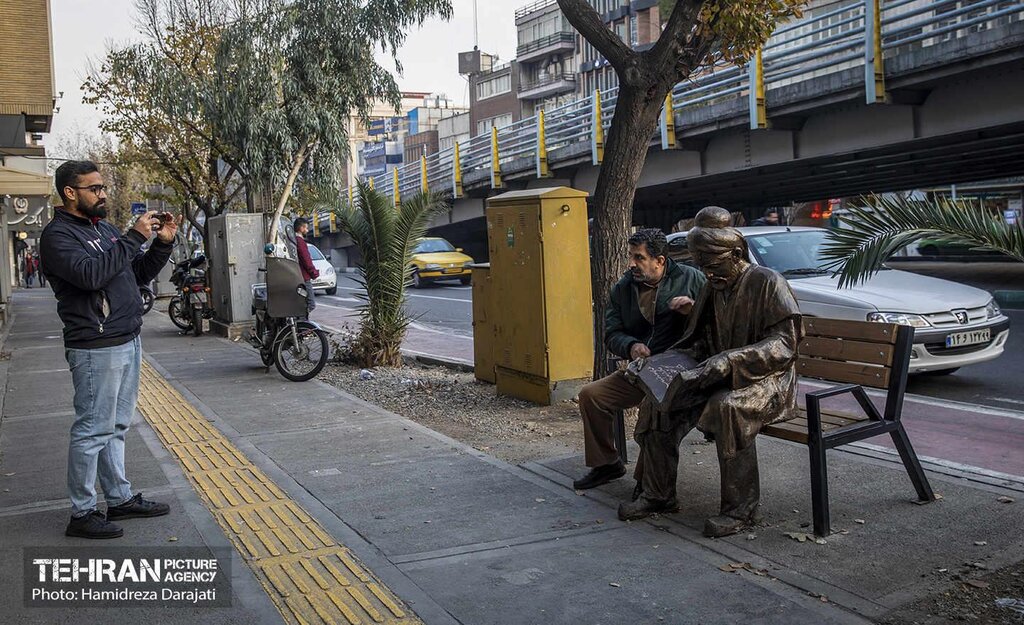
point(544, 42)
point(838, 40)
point(547, 79)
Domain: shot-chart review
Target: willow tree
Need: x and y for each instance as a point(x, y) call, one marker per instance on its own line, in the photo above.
point(147, 93)
point(249, 96)
point(290, 75)
point(696, 35)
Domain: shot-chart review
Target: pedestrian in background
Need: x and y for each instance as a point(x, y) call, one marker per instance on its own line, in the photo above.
point(309, 271)
point(30, 268)
point(95, 271)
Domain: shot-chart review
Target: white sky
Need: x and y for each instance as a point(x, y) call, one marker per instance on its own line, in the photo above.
point(84, 29)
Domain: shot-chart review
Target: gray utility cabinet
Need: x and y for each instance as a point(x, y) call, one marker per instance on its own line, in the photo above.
point(236, 247)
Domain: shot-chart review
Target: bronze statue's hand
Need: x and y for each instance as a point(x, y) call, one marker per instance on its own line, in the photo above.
point(639, 350)
point(682, 304)
point(716, 369)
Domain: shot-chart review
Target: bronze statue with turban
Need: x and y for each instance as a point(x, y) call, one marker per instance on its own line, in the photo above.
point(744, 332)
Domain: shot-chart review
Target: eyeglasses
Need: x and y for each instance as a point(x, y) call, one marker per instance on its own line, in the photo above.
point(95, 188)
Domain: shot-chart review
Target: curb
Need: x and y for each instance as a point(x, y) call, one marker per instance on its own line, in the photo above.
point(438, 361)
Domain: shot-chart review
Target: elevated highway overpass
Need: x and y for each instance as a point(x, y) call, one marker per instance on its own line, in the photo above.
point(837, 104)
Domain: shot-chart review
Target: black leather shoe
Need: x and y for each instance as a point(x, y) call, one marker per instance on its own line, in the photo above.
point(644, 507)
point(137, 508)
point(93, 525)
point(600, 475)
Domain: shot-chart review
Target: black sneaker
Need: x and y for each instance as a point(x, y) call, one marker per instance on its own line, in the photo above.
point(600, 475)
point(93, 525)
point(137, 508)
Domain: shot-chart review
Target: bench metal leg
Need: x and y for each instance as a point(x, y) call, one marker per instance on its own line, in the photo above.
point(619, 429)
point(913, 466)
point(819, 487)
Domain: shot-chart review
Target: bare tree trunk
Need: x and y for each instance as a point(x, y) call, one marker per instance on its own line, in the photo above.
point(636, 117)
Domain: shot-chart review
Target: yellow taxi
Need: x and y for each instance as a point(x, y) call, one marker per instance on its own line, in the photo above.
point(434, 258)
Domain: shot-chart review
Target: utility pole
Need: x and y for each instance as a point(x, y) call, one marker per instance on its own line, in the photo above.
point(476, 30)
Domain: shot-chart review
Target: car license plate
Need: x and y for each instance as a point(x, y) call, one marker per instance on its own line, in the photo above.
point(973, 337)
point(455, 270)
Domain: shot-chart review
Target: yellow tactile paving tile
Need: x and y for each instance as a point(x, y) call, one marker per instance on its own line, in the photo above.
point(311, 578)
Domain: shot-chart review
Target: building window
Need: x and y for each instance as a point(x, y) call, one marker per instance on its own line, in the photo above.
point(634, 32)
point(484, 126)
point(494, 86)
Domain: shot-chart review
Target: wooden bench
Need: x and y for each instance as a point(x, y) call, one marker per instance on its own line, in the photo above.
point(854, 354)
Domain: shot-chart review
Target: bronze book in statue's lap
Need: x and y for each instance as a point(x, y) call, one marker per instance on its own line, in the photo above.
point(670, 380)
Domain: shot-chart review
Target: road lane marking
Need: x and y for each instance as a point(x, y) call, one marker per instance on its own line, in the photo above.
point(310, 576)
point(446, 299)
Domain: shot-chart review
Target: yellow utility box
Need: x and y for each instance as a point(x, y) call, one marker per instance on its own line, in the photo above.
point(540, 293)
point(483, 323)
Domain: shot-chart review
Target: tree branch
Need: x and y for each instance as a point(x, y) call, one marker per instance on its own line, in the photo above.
point(586, 20)
point(674, 45)
point(300, 158)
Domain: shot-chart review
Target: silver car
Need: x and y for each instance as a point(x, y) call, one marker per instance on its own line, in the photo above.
point(954, 324)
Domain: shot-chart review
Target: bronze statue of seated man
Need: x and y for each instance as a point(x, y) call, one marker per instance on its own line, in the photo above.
point(744, 331)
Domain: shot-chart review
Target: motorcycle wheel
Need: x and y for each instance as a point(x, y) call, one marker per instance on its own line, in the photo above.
point(305, 360)
point(197, 321)
point(178, 317)
point(147, 300)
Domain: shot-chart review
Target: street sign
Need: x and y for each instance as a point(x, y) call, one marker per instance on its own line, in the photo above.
point(138, 208)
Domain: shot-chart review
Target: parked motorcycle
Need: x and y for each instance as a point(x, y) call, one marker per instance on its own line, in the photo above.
point(148, 297)
point(283, 335)
point(191, 305)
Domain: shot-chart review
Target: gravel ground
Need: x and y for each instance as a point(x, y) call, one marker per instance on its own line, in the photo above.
point(976, 601)
point(458, 405)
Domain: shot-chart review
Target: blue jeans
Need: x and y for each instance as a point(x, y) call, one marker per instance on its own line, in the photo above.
point(106, 384)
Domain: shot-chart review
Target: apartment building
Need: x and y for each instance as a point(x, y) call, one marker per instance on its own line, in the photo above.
point(546, 55)
point(27, 99)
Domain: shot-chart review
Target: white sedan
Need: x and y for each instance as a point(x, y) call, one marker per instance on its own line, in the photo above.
point(954, 324)
point(327, 281)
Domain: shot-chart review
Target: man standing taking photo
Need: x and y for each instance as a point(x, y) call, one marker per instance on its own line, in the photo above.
point(646, 315)
point(95, 272)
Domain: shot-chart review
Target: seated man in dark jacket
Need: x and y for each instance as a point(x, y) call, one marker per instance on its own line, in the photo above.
point(95, 271)
point(646, 315)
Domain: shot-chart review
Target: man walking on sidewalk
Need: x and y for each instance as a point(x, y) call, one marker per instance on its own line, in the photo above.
point(95, 273)
point(645, 316)
point(309, 271)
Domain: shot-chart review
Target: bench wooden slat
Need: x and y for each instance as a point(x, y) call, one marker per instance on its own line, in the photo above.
point(838, 371)
point(856, 330)
point(787, 430)
point(839, 349)
point(836, 419)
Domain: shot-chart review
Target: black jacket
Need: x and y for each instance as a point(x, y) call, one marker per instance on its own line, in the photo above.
point(95, 272)
point(625, 325)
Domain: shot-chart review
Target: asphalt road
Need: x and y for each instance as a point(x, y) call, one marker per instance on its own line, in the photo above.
point(447, 308)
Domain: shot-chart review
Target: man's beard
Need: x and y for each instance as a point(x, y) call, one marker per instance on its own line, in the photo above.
point(642, 278)
point(97, 210)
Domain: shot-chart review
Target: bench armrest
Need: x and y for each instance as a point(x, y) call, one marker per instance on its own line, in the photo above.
point(813, 403)
point(833, 391)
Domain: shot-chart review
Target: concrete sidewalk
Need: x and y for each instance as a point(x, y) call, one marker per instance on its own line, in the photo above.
point(455, 535)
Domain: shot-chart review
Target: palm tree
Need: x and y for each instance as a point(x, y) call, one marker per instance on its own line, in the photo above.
point(385, 235)
point(883, 225)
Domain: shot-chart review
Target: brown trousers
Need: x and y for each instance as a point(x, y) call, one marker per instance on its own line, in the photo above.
point(599, 401)
point(658, 464)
